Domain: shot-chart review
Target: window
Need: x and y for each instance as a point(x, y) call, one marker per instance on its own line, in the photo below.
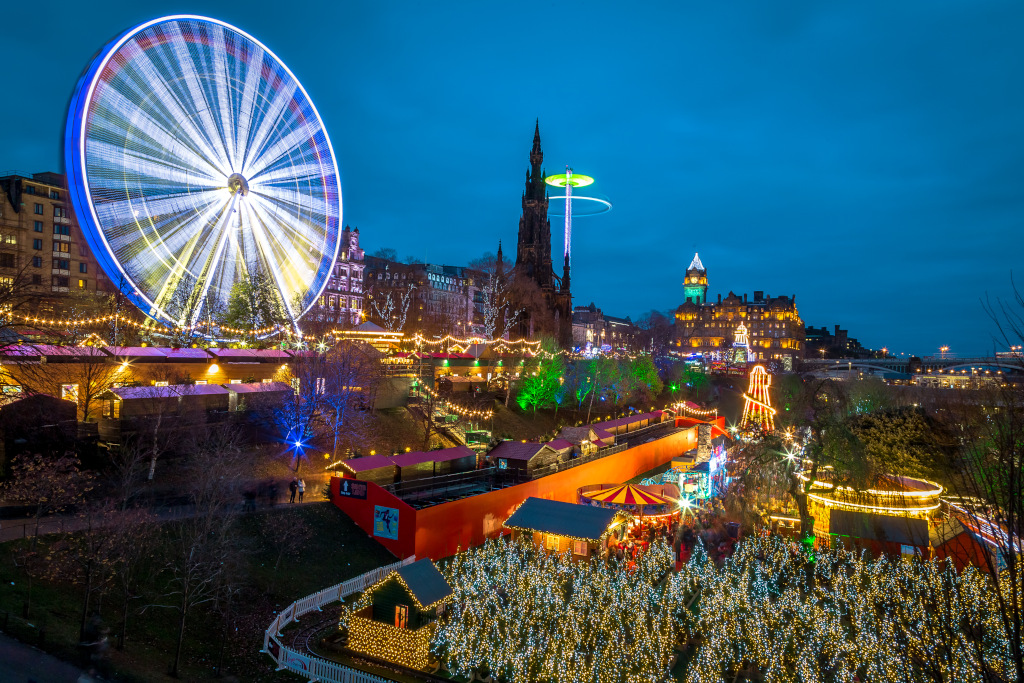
point(58, 281)
point(82, 284)
point(37, 279)
point(29, 189)
point(234, 381)
point(61, 229)
point(6, 283)
point(266, 381)
point(62, 246)
point(10, 239)
point(37, 244)
point(551, 542)
point(579, 548)
point(69, 392)
point(37, 226)
point(83, 267)
point(61, 264)
point(201, 381)
point(54, 195)
point(6, 260)
point(38, 210)
point(59, 212)
point(160, 384)
point(401, 616)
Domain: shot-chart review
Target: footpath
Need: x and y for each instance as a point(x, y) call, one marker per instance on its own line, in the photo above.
point(20, 663)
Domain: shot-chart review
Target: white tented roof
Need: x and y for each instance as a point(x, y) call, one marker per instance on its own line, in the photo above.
point(695, 264)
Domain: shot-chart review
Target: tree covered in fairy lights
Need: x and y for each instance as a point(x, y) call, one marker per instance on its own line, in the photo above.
point(522, 614)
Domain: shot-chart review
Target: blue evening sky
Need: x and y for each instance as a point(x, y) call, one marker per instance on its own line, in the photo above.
point(865, 156)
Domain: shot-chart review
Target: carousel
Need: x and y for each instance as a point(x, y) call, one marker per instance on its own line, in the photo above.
point(632, 499)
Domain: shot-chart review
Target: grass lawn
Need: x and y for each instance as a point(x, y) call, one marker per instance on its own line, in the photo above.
point(337, 551)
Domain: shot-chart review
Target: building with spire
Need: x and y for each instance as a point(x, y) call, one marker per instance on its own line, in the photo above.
point(695, 285)
point(761, 328)
point(533, 258)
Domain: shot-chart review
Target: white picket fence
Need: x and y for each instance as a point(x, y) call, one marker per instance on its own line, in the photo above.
point(310, 666)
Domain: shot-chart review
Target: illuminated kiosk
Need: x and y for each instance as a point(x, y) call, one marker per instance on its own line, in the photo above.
point(394, 620)
point(569, 180)
point(757, 404)
point(197, 161)
point(896, 509)
point(581, 530)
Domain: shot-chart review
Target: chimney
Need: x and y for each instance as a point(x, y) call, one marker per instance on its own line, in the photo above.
point(719, 297)
point(837, 330)
point(744, 297)
point(758, 296)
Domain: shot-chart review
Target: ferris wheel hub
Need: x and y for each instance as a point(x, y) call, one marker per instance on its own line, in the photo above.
point(238, 184)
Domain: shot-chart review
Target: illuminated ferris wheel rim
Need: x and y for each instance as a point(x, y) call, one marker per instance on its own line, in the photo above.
point(75, 141)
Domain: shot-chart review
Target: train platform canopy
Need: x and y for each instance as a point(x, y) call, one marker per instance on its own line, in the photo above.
point(562, 519)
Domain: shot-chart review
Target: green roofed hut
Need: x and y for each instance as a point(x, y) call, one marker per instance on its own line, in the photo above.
point(394, 620)
point(582, 530)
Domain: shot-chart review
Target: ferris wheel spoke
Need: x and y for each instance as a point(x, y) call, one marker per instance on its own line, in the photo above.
point(303, 229)
point(219, 59)
point(285, 267)
point(298, 140)
point(277, 104)
point(201, 106)
point(247, 109)
point(310, 173)
point(181, 106)
point(149, 139)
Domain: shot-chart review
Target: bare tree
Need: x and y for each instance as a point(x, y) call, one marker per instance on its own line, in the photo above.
point(202, 546)
point(391, 306)
point(81, 375)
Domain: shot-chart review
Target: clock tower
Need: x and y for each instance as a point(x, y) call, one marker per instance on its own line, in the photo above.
point(695, 286)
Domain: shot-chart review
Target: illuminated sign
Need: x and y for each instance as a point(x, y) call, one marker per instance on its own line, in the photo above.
point(351, 488)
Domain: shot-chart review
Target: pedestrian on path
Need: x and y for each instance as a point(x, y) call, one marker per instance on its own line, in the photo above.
point(302, 488)
point(293, 486)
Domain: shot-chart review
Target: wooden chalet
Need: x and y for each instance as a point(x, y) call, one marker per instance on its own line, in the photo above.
point(394, 620)
point(566, 527)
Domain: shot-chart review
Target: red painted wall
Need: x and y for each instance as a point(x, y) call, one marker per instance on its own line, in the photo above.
point(963, 550)
point(361, 512)
point(441, 530)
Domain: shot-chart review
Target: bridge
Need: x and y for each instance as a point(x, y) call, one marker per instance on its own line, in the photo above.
point(888, 367)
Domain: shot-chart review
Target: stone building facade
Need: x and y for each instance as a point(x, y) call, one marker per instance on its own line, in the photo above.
point(342, 301)
point(774, 328)
point(591, 326)
point(442, 299)
point(42, 245)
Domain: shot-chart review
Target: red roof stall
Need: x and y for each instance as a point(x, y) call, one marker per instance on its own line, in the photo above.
point(380, 469)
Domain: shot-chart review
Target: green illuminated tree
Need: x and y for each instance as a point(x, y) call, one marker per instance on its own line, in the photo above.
point(542, 379)
point(254, 303)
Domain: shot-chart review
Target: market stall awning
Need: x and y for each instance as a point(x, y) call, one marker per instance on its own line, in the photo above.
point(627, 494)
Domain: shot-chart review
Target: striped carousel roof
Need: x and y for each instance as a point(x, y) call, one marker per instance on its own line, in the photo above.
point(627, 494)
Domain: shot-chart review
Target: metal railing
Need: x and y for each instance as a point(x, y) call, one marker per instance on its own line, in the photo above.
point(308, 665)
point(581, 460)
point(444, 485)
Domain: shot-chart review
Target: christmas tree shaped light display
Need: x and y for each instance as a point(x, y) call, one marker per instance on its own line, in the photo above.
point(757, 405)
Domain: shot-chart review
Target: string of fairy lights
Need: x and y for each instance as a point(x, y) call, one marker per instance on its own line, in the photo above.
point(456, 408)
point(526, 615)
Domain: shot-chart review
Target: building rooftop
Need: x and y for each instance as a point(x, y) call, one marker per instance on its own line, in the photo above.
point(259, 387)
point(517, 450)
point(563, 519)
point(425, 582)
point(170, 391)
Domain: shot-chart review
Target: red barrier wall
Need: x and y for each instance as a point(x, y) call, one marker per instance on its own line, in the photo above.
point(440, 530)
point(361, 511)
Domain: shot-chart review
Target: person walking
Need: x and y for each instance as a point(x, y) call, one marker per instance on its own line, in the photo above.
point(293, 486)
point(302, 488)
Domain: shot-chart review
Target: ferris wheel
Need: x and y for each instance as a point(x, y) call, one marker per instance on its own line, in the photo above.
point(195, 160)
